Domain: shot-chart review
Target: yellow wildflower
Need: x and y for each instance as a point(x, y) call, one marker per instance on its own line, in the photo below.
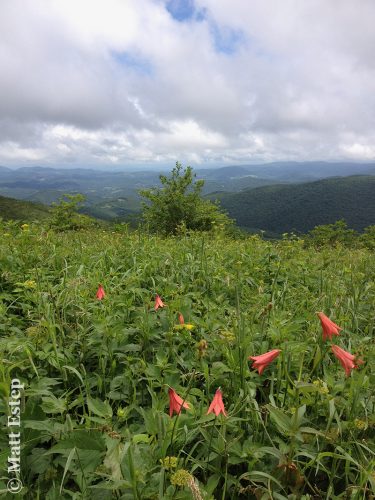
point(169, 462)
point(29, 284)
point(321, 386)
point(360, 424)
point(181, 478)
point(185, 326)
point(228, 336)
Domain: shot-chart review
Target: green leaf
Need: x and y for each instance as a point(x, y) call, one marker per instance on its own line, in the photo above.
point(282, 421)
point(51, 404)
point(99, 408)
point(70, 458)
point(75, 371)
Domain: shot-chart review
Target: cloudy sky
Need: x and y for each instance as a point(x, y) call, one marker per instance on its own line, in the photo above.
point(211, 82)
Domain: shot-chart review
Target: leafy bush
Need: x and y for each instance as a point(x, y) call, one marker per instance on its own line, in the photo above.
point(179, 203)
point(332, 234)
point(65, 216)
point(368, 237)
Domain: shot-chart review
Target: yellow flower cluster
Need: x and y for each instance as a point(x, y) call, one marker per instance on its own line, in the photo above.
point(228, 336)
point(321, 386)
point(360, 424)
point(169, 462)
point(185, 326)
point(181, 478)
point(30, 284)
point(25, 227)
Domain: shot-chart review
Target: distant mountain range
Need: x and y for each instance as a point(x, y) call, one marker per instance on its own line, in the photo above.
point(277, 197)
point(301, 207)
point(48, 184)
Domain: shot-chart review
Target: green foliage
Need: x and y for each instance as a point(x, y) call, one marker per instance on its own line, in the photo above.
point(368, 237)
point(23, 211)
point(300, 207)
point(178, 203)
point(95, 420)
point(65, 216)
point(332, 235)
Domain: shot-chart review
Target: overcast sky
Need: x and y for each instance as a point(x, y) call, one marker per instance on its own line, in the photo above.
point(209, 82)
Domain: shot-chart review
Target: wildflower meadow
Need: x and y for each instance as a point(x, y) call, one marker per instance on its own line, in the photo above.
point(191, 366)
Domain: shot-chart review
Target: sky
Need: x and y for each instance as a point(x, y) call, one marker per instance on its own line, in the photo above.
point(118, 83)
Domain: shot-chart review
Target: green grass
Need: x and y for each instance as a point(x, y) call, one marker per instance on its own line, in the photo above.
point(96, 418)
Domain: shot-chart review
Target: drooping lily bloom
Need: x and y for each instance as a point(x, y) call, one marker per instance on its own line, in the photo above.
point(100, 294)
point(158, 303)
point(181, 319)
point(329, 327)
point(217, 405)
point(176, 403)
point(348, 361)
point(263, 360)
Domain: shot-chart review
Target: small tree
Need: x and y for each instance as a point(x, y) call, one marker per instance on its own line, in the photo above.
point(368, 237)
point(65, 216)
point(178, 203)
point(332, 234)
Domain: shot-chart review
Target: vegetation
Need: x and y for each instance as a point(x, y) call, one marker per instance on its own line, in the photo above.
point(65, 216)
point(178, 204)
point(103, 372)
point(191, 364)
point(301, 207)
point(24, 211)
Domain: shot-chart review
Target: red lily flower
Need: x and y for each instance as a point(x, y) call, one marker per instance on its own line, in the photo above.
point(100, 294)
point(263, 360)
point(329, 327)
point(181, 319)
point(348, 361)
point(217, 405)
point(175, 402)
point(158, 303)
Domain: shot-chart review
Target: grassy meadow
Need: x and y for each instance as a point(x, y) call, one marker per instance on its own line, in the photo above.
point(96, 418)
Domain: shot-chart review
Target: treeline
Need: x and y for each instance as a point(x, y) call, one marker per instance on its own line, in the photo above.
point(300, 207)
point(339, 234)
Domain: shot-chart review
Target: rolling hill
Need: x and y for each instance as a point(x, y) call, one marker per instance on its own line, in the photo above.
point(46, 185)
point(300, 207)
point(258, 197)
point(24, 211)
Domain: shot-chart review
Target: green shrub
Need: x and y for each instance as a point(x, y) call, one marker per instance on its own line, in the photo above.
point(368, 237)
point(65, 216)
point(179, 203)
point(332, 234)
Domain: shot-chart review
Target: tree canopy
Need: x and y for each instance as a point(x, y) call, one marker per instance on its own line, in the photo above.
point(178, 203)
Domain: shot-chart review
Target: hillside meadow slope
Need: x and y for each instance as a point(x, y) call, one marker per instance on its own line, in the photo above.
point(134, 397)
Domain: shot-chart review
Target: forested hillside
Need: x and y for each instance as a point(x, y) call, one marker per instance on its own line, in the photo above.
point(300, 207)
point(11, 209)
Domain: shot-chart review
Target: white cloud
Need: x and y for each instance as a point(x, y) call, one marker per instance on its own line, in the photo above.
point(360, 151)
point(113, 81)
